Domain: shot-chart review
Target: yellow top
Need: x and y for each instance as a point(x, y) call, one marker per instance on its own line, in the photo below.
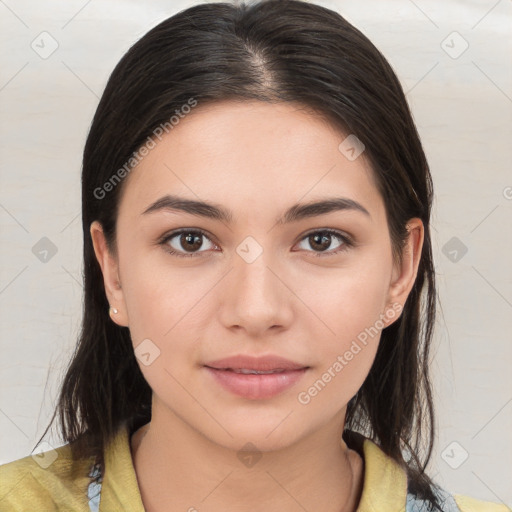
point(53, 481)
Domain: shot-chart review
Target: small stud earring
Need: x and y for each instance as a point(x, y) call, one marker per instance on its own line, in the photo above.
point(112, 310)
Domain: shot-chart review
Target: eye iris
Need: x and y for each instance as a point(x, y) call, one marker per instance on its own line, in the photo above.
point(322, 240)
point(188, 238)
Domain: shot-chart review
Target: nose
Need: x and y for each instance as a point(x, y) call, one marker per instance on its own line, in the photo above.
point(256, 295)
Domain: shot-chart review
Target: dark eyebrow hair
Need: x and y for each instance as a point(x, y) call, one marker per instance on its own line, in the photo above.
point(295, 213)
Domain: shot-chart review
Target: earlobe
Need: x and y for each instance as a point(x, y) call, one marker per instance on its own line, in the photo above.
point(110, 270)
point(404, 275)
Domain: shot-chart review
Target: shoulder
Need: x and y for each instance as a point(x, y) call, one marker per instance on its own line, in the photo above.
point(50, 480)
point(386, 486)
point(468, 504)
point(454, 503)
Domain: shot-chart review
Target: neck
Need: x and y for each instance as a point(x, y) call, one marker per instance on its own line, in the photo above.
point(179, 468)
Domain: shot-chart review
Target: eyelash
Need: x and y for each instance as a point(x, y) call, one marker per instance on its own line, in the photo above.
point(347, 242)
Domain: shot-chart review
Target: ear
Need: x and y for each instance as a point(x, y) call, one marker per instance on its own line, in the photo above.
point(404, 274)
point(110, 270)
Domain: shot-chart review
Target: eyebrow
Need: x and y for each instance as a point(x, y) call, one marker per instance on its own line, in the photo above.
point(217, 212)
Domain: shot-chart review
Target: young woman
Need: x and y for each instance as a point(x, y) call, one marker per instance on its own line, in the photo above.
point(259, 284)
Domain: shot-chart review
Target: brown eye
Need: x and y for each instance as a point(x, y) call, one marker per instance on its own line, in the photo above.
point(322, 242)
point(186, 243)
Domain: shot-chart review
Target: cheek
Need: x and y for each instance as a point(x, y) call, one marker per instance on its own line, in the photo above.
point(347, 300)
point(331, 387)
point(351, 307)
point(164, 306)
point(158, 293)
point(345, 356)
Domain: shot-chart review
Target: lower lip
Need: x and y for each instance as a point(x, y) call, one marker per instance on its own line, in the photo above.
point(254, 386)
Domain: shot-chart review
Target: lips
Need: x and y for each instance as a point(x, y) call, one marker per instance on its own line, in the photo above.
point(255, 378)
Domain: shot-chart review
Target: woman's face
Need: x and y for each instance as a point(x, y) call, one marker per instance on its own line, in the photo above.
point(265, 280)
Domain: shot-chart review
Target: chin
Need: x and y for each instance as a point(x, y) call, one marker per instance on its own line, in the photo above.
point(267, 434)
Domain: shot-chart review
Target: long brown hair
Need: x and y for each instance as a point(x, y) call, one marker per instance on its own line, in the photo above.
point(274, 50)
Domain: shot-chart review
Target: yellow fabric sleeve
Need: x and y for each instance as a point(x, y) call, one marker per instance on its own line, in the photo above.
point(468, 504)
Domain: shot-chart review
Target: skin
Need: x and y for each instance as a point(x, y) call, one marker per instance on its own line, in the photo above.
point(256, 159)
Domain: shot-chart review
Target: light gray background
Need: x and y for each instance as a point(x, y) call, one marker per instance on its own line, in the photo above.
point(462, 104)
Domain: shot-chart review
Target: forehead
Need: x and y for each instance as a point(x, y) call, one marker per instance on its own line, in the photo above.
point(250, 153)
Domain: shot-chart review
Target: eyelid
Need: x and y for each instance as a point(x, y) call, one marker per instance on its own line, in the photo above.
point(332, 231)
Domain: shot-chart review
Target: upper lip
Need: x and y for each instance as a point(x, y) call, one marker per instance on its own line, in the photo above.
point(262, 363)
